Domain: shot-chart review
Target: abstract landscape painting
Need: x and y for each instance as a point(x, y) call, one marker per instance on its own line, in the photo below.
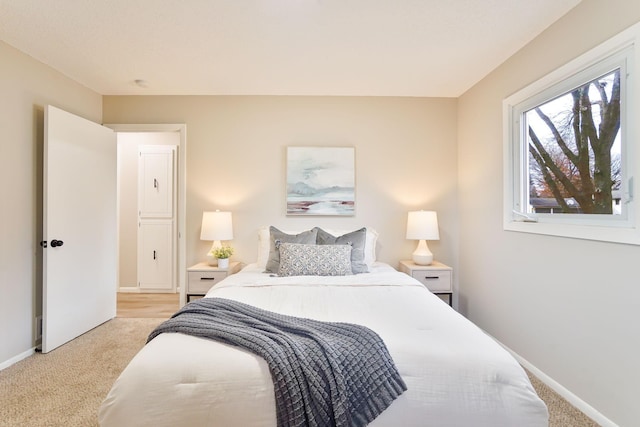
point(320, 181)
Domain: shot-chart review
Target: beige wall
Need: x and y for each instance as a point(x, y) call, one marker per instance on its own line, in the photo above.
point(236, 149)
point(26, 87)
point(570, 307)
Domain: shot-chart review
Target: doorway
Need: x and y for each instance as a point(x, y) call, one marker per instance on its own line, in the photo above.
point(130, 140)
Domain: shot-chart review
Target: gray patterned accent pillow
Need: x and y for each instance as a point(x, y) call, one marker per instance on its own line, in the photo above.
point(356, 239)
point(314, 260)
point(277, 237)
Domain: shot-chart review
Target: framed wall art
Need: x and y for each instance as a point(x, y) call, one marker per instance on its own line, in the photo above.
point(321, 181)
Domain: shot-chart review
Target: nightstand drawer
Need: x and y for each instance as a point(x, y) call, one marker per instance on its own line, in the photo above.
point(435, 281)
point(201, 281)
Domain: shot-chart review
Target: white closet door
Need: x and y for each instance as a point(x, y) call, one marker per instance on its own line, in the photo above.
point(79, 227)
point(155, 254)
point(156, 206)
point(156, 181)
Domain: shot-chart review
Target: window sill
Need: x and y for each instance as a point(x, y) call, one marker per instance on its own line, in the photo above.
point(625, 235)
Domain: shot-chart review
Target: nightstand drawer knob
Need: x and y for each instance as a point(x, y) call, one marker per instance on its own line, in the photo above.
point(207, 278)
point(431, 277)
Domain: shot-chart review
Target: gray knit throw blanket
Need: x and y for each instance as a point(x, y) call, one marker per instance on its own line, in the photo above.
point(324, 374)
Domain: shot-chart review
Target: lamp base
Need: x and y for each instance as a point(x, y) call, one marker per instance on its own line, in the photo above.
point(211, 259)
point(422, 255)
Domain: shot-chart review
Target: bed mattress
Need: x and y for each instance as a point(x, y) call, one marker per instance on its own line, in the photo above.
point(455, 374)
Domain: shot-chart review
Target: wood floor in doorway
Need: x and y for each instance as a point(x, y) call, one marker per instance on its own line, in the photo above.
point(147, 305)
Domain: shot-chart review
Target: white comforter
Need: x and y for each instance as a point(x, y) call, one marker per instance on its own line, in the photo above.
point(455, 374)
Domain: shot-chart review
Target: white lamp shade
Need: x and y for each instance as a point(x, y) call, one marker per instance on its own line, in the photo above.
point(422, 225)
point(216, 226)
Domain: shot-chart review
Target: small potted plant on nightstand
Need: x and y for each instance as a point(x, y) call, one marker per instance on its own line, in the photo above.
point(222, 254)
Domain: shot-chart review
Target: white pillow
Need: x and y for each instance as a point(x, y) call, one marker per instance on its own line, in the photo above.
point(264, 244)
point(263, 247)
point(370, 247)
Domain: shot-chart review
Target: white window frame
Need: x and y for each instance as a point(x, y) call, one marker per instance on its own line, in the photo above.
point(621, 51)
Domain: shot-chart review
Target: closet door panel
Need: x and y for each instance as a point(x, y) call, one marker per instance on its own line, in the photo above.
point(155, 182)
point(155, 247)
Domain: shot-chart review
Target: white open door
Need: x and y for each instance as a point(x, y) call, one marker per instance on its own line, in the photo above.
point(79, 227)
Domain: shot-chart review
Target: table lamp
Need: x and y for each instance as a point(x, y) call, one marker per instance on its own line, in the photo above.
point(422, 226)
point(216, 226)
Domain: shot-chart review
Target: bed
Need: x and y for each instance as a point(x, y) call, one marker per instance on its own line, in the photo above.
point(454, 373)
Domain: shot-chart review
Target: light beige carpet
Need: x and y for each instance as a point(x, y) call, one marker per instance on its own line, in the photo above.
point(65, 387)
point(561, 413)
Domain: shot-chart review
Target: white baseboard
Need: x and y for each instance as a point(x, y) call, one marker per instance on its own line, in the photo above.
point(574, 400)
point(17, 358)
point(137, 290)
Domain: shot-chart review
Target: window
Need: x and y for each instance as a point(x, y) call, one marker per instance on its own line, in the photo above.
point(569, 148)
point(574, 163)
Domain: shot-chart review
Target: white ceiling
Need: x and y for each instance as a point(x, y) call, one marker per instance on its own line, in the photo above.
point(276, 47)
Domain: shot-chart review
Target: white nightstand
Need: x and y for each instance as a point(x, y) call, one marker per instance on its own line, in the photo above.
point(202, 277)
point(437, 277)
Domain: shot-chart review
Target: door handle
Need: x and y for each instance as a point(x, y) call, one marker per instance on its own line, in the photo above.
point(55, 243)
